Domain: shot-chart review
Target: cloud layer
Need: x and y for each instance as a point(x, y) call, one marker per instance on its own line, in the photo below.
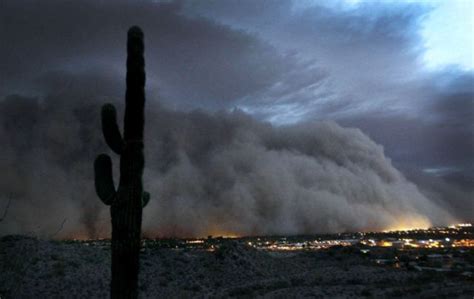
point(232, 174)
point(225, 173)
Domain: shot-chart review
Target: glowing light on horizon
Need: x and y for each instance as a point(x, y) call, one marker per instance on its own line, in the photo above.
point(408, 224)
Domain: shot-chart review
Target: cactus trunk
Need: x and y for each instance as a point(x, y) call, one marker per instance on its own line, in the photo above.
point(127, 202)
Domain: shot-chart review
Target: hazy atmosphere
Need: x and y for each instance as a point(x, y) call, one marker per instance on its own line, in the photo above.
point(262, 117)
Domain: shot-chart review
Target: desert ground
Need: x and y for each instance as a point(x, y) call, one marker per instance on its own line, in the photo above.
point(35, 268)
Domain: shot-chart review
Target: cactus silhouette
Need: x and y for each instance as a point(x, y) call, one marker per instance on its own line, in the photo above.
point(127, 201)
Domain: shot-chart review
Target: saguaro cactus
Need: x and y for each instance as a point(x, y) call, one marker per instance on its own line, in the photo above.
point(127, 202)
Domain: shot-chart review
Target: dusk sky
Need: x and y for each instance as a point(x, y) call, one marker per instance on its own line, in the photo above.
point(400, 71)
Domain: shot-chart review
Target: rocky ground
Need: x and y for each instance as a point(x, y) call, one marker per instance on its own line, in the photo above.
point(32, 268)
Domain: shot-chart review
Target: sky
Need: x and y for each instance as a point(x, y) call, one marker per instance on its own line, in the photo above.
point(391, 80)
point(446, 30)
point(448, 35)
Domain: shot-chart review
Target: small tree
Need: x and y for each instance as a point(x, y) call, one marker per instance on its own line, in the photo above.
point(127, 201)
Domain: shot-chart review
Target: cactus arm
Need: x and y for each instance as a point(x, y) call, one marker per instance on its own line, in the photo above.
point(104, 183)
point(111, 130)
point(145, 198)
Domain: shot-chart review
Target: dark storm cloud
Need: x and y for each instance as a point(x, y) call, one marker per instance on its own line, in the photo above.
point(211, 173)
point(371, 58)
point(453, 100)
point(199, 63)
point(47, 145)
point(439, 133)
point(368, 54)
point(453, 191)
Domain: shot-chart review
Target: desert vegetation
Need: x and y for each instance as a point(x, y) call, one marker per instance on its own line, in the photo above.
point(127, 201)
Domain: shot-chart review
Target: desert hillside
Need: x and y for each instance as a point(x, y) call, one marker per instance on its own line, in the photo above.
point(33, 268)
